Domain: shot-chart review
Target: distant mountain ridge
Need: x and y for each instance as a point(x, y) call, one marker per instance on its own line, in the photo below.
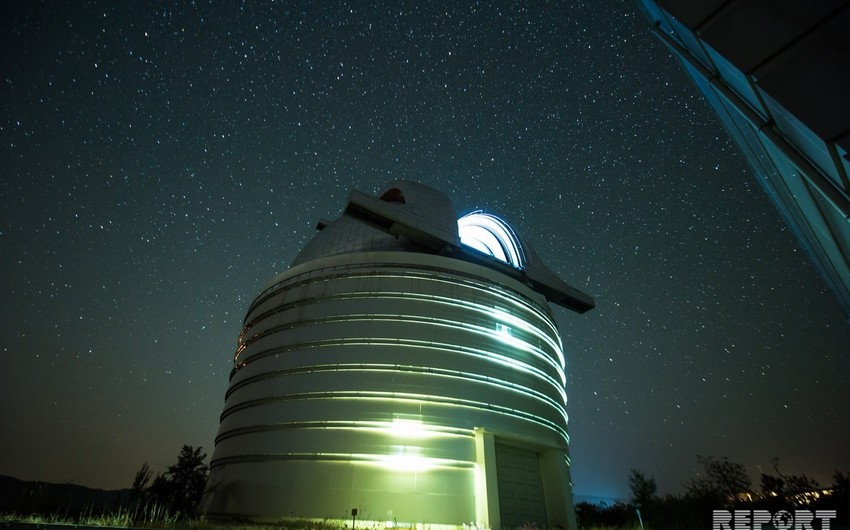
point(595, 499)
point(28, 497)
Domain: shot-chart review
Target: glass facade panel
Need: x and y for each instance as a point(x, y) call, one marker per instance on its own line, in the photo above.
point(798, 135)
point(802, 83)
point(738, 82)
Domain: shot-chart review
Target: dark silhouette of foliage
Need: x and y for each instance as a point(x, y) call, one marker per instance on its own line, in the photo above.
point(772, 486)
point(839, 500)
point(643, 488)
point(722, 481)
point(841, 485)
point(719, 486)
point(787, 490)
point(617, 515)
point(188, 477)
point(177, 492)
point(679, 512)
point(140, 482)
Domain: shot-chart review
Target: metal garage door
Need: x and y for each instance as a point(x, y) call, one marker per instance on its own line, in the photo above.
point(520, 487)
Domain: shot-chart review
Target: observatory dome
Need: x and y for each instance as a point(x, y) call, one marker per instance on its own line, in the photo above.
point(406, 365)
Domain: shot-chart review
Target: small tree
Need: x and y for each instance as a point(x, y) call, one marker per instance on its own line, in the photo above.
point(772, 486)
point(188, 477)
point(723, 481)
point(789, 489)
point(178, 491)
point(643, 488)
point(840, 499)
point(841, 485)
point(140, 482)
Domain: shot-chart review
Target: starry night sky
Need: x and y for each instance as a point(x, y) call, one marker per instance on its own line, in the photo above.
point(160, 163)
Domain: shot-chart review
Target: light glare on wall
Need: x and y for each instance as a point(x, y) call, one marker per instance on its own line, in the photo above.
point(406, 428)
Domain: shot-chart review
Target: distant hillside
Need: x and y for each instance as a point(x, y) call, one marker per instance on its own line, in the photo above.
point(25, 497)
point(595, 499)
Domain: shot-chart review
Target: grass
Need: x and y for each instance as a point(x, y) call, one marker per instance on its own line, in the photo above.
point(125, 519)
point(156, 517)
point(141, 517)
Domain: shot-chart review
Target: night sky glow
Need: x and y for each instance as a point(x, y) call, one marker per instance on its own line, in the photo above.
point(160, 163)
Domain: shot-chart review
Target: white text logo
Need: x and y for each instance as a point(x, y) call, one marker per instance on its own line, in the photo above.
point(781, 520)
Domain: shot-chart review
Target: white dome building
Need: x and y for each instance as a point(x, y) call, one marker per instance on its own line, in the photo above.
point(407, 365)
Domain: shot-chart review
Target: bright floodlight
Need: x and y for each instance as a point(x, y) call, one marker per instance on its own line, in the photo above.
point(488, 234)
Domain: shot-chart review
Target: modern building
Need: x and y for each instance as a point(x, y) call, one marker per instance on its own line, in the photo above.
point(777, 72)
point(407, 366)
